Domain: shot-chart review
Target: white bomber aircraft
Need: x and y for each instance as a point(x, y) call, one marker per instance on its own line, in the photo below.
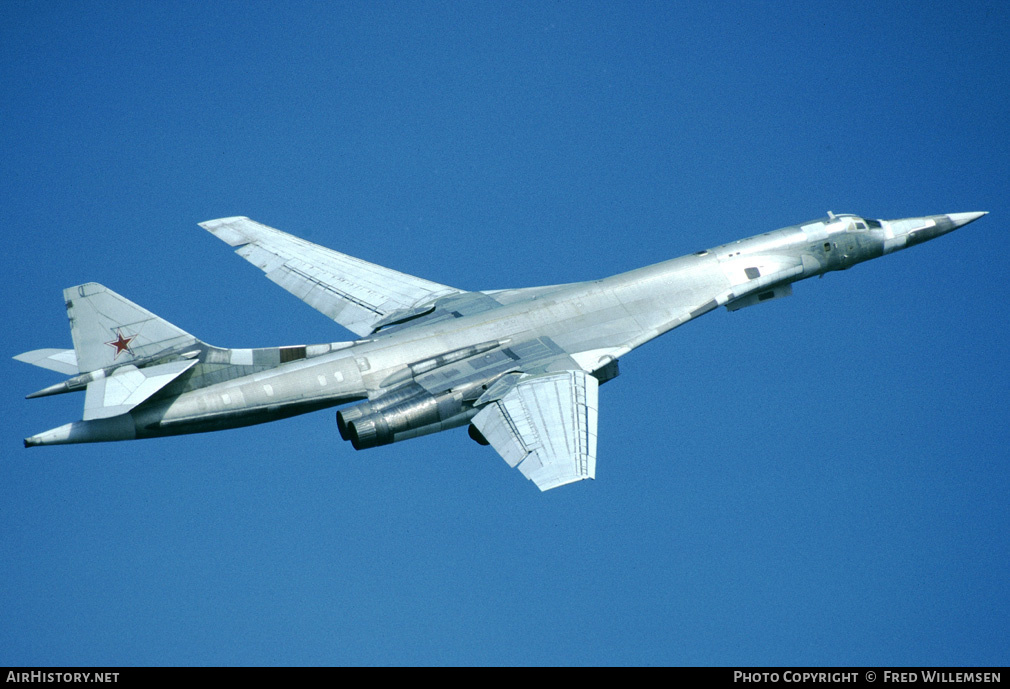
point(520, 367)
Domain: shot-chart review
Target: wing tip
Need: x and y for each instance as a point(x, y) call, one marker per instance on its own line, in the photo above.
point(225, 230)
point(208, 224)
point(545, 486)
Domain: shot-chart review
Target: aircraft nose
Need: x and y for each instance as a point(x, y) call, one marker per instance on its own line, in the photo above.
point(911, 231)
point(962, 219)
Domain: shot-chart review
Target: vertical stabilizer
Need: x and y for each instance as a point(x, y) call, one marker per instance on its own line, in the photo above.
point(110, 330)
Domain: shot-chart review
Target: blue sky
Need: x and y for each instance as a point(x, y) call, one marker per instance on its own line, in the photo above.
point(821, 480)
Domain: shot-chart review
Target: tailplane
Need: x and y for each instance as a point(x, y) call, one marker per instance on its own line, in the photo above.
point(122, 353)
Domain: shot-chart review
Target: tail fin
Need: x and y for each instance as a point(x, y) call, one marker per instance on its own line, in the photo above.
point(123, 354)
point(109, 329)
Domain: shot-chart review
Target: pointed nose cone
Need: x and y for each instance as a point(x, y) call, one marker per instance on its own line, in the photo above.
point(962, 219)
point(911, 231)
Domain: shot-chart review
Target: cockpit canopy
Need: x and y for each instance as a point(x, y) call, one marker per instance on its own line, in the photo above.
point(857, 222)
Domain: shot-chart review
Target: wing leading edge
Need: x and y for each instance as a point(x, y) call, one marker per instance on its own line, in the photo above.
point(356, 294)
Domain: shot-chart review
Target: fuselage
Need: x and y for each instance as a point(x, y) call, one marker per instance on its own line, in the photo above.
point(595, 322)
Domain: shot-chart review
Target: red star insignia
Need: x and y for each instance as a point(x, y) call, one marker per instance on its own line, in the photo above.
point(121, 343)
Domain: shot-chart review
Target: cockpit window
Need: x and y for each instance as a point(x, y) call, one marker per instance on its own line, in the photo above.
point(860, 225)
point(874, 224)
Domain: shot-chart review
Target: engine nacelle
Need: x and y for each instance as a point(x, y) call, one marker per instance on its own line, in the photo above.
point(407, 412)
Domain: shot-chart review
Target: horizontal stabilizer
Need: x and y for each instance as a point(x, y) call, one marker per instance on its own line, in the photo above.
point(127, 387)
point(60, 360)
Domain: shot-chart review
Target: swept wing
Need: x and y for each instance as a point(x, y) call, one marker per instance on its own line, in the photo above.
point(544, 424)
point(356, 294)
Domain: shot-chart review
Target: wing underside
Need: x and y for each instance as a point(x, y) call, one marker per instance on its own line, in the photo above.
point(356, 294)
point(546, 425)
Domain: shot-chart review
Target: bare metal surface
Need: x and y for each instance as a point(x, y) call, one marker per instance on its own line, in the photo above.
point(522, 365)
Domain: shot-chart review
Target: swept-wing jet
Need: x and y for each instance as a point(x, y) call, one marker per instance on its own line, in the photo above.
point(519, 367)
